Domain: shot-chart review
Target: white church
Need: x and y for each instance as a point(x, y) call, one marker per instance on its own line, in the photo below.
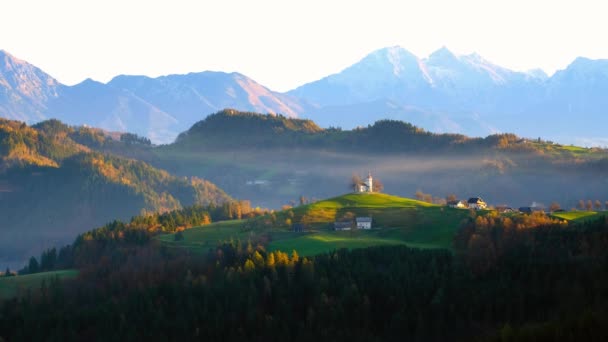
point(367, 185)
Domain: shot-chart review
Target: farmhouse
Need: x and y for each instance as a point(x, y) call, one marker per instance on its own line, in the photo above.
point(457, 204)
point(364, 222)
point(476, 203)
point(530, 210)
point(367, 185)
point(343, 225)
point(504, 209)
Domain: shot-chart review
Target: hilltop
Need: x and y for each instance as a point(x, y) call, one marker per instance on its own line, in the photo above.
point(230, 128)
point(396, 220)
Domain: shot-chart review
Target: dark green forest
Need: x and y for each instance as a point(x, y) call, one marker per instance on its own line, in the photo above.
point(545, 281)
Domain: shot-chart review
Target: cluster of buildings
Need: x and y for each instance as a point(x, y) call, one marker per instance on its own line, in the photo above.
point(473, 203)
point(360, 222)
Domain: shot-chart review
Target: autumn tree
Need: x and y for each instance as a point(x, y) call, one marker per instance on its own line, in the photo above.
point(451, 198)
point(581, 205)
point(377, 185)
point(355, 181)
point(598, 205)
point(589, 205)
point(554, 207)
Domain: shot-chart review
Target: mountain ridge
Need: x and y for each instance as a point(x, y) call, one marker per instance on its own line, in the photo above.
point(57, 180)
point(443, 92)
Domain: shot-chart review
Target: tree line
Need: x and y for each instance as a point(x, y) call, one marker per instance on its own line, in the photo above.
point(547, 281)
point(118, 236)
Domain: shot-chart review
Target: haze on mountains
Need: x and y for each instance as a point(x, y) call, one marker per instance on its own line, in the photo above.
point(441, 93)
point(157, 108)
point(272, 160)
point(54, 185)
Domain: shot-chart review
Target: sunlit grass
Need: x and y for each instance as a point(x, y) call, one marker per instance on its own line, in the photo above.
point(575, 215)
point(396, 221)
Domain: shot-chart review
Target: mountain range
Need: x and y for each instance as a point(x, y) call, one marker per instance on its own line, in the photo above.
point(443, 93)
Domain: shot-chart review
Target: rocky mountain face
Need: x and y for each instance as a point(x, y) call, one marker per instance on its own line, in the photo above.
point(191, 97)
point(158, 108)
point(465, 94)
point(24, 89)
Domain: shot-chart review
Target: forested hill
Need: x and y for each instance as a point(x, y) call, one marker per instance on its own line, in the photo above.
point(53, 187)
point(230, 128)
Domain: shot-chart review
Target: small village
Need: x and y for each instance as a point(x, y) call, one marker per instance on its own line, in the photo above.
point(473, 203)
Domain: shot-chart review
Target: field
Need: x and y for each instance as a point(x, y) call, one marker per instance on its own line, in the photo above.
point(11, 286)
point(201, 239)
point(576, 215)
point(396, 220)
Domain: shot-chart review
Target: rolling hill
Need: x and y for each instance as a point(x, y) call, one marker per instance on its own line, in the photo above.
point(396, 220)
point(52, 187)
point(273, 160)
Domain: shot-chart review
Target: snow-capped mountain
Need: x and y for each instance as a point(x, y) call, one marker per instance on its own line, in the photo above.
point(465, 94)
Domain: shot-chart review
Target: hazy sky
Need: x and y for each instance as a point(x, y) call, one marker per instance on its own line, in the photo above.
point(284, 43)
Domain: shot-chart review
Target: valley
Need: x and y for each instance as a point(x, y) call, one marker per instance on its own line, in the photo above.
point(303, 171)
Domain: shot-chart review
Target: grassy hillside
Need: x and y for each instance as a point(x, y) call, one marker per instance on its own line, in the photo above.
point(576, 215)
point(396, 220)
point(11, 286)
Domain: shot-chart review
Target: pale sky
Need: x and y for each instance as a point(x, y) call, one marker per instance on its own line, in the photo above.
point(285, 43)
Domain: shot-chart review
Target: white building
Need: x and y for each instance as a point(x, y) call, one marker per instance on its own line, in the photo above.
point(364, 222)
point(477, 203)
point(368, 185)
point(457, 204)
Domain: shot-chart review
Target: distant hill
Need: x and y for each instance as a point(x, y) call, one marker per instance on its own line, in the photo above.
point(272, 160)
point(53, 186)
point(229, 129)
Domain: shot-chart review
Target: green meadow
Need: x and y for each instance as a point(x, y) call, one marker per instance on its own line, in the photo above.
point(11, 286)
point(396, 220)
point(576, 215)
